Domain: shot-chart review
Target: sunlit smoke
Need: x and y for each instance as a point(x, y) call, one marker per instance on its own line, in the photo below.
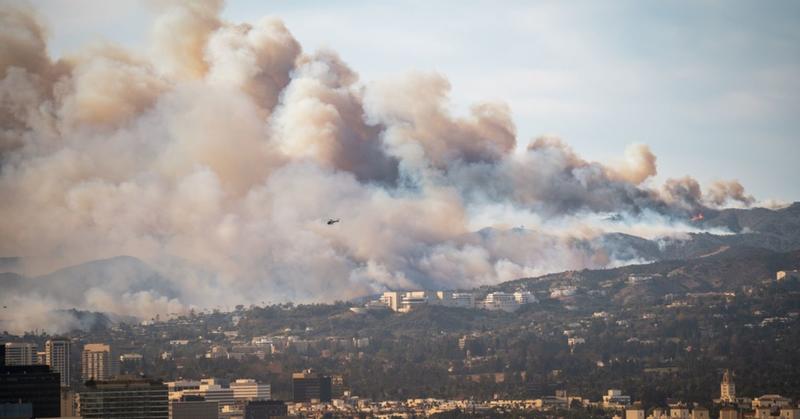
point(217, 156)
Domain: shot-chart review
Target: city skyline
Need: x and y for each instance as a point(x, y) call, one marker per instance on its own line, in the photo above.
point(241, 209)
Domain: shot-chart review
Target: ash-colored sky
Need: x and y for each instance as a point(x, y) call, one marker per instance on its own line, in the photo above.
point(712, 87)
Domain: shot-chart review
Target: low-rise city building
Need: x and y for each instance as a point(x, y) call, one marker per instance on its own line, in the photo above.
point(614, 399)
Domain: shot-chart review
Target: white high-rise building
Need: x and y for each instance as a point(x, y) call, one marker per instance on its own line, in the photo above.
point(500, 301)
point(249, 389)
point(391, 299)
point(20, 353)
point(524, 297)
point(413, 299)
point(406, 301)
point(463, 299)
point(454, 299)
point(57, 357)
point(96, 362)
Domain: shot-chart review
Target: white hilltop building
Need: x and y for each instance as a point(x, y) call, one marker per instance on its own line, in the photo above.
point(406, 301)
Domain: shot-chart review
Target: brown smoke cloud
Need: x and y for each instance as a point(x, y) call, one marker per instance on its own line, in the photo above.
point(721, 192)
point(256, 59)
point(420, 129)
point(686, 193)
point(638, 166)
point(180, 36)
point(218, 156)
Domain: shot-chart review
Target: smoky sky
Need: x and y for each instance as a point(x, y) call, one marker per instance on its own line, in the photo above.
point(217, 156)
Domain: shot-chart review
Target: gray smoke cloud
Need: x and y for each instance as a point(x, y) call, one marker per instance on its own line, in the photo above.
point(218, 154)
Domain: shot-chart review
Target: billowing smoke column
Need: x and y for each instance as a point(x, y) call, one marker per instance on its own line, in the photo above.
point(218, 155)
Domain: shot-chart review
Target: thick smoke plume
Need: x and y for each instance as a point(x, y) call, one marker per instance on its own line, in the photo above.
point(218, 155)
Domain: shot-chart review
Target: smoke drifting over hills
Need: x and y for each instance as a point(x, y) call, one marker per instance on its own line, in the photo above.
point(218, 155)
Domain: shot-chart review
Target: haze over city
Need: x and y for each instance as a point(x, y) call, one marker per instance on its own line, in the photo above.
point(286, 209)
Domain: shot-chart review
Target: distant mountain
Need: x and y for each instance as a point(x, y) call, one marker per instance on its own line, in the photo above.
point(626, 247)
point(729, 270)
point(754, 228)
point(117, 275)
point(64, 296)
point(777, 230)
point(780, 222)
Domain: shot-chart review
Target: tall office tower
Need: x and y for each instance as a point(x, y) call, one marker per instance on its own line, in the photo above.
point(308, 386)
point(20, 353)
point(96, 362)
point(57, 357)
point(337, 386)
point(124, 398)
point(32, 384)
point(727, 388)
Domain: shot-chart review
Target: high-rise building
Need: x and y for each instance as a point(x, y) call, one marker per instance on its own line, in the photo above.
point(337, 386)
point(130, 398)
point(248, 389)
point(500, 301)
point(463, 300)
point(20, 353)
point(265, 409)
point(193, 407)
point(309, 385)
point(727, 389)
point(57, 358)
point(16, 410)
point(96, 362)
point(391, 299)
point(34, 384)
point(130, 363)
point(41, 358)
